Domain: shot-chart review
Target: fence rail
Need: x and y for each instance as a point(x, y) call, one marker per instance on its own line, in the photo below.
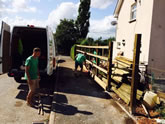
point(100, 55)
point(104, 53)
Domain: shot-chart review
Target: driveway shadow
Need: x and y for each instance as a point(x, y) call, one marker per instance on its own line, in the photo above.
point(46, 89)
point(60, 105)
point(81, 85)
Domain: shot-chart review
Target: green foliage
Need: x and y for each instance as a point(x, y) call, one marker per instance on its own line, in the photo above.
point(82, 22)
point(84, 42)
point(161, 110)
point(105, 42)
point(79, 41)
point(65, 35)
point(72, 52)
point(88, 41)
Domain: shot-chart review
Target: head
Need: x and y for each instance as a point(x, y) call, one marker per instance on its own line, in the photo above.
point(85, 53)
point(36, 52)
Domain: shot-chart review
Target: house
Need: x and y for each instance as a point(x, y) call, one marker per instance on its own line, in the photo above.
point(145, 17)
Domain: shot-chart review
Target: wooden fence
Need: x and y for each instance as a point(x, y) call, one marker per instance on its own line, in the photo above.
point(98, 54)
point(103, 76)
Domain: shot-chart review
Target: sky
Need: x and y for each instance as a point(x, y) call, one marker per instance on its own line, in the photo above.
point(49, 12)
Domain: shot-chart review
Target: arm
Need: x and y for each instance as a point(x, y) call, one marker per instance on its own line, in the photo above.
point(75, 57)
point(27, 73)
point(84, 61)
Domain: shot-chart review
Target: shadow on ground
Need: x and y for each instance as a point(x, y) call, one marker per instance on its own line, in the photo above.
point(60, 106)
point(68, 83)
point(46, 89)
point(81, 85)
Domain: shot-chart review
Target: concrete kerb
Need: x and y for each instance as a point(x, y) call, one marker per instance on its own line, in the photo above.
point(53, 114)
point(130, 115)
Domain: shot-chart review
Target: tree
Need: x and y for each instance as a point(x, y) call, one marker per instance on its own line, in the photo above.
point(88, 41)
point(82, 22)
point(65, 36)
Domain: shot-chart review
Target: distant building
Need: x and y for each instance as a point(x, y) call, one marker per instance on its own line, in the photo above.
point(144, 17)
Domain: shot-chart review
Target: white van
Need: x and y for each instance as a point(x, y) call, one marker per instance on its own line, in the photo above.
point(15, 47)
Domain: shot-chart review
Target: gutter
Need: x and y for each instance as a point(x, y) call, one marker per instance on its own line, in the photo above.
point(118, 7)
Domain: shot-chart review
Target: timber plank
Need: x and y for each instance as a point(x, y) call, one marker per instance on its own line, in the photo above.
point(121, 95)
point(124, 60)
point(100, 82)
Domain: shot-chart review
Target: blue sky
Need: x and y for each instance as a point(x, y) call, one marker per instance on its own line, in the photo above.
point(49, 12)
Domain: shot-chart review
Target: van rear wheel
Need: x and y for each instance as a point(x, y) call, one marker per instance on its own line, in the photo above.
point(17, 79)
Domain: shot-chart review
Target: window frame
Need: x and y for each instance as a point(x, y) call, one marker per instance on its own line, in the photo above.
point(133, 12)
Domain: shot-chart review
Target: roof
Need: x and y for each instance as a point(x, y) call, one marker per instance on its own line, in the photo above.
point(118, 7)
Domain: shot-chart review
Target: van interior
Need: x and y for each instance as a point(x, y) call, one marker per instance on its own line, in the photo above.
point(24, 39)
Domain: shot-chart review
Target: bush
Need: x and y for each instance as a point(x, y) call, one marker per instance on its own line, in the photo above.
point(72, 52)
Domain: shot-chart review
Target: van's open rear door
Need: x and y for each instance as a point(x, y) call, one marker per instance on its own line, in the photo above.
point(4, 48)
point(51, 48)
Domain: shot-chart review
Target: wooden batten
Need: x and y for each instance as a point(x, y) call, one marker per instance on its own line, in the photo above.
point(118, 79)
point(96, 66)
point(126, 86)
point(100, 82)
point(124, 93)
point(120, 94)
point(161, 94)
point(97, 56)
point(124, 60)
point(99, 47)
point(121, 64)
point(120, 71)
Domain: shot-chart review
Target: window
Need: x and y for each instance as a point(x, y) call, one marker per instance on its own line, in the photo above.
point(133, 11)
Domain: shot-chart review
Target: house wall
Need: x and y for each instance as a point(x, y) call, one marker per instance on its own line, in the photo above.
point(126, 30)
point(157, 45)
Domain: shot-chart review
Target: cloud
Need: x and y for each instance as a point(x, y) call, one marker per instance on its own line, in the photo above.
point(98, 28)
point(66, 10)
point(102, 28)
point(16, 6)
point(19, 21)
point(22, 5)
point(2, 6)
point(101, 4)
point(35, 0)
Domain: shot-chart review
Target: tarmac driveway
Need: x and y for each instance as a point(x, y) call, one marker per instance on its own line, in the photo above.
point(79, 100)
point(13, 108)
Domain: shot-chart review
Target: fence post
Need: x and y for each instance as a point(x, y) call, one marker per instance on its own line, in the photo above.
point(110, 53)
point(135, 80)
point(102, 52)
point(89, 52)
point(97, 61)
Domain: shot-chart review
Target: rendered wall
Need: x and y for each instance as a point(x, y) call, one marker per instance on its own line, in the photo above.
point(157, 45)
point(126, 30)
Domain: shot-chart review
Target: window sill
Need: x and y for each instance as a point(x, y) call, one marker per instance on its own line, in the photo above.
point(133, 20)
